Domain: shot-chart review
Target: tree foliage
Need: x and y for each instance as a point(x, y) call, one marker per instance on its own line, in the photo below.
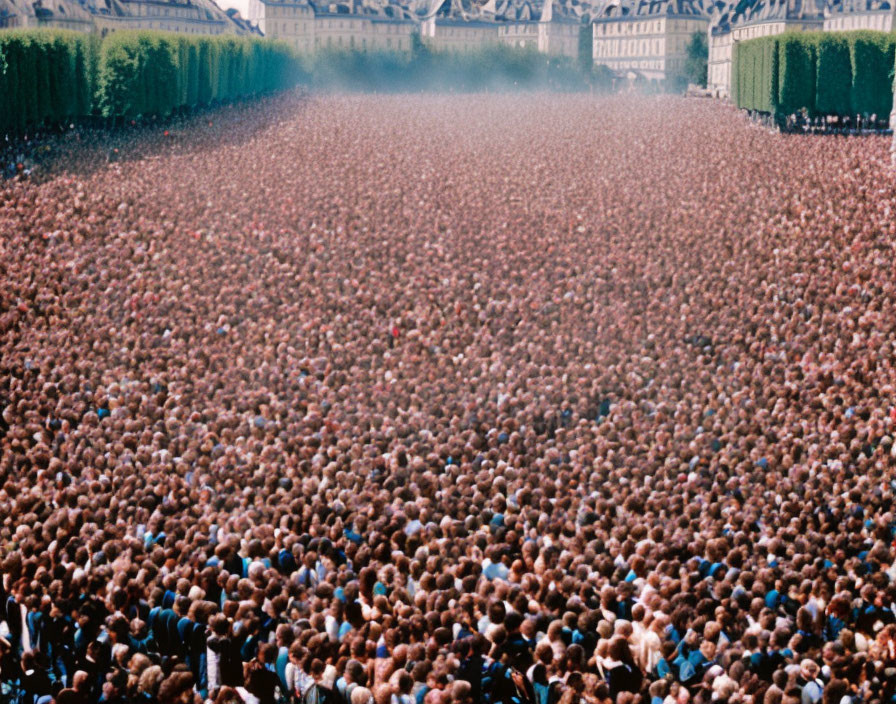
point(44, 78)
point(697, 59)
point(53, 77)
point(833, 75)
point(797, 57)
point(871, 56)
point(825, 73)
point(155, 73)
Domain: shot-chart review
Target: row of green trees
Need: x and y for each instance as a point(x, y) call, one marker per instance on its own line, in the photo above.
point(53, 77)
point(45, 77)
point(825, 73)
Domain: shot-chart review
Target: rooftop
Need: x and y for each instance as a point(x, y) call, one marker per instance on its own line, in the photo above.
point(623, 9)
point(853, 7)
point(746, 12)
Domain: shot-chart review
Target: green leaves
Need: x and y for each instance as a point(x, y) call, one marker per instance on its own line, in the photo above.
point(153, 73)
point(119, 83)
point(52, 77)
point(871, 55)
point(796, 72)
point(40, 79)
point(833, 82)
point(830, 73)
point(756, 71)
point(695, 65)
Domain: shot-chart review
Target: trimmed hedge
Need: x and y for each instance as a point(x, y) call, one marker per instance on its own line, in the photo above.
point(54, 77)
point(871, 55)
point(833, 79)
point(155, 73)
point(796, 73)
point(756, 74)
point(45, 77)
point(827, 73)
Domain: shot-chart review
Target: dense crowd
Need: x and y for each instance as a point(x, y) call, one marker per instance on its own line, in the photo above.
point(449, 400)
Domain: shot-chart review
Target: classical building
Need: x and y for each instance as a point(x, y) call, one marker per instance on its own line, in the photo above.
point(311, 26)
point(719, 42)
point(445, 25)
point(846, 15)
point(647, 38)
point(461, 25)
point(104, 16)
point(760, 18)
point(558, 31)
point(58, 14)
point(458, 35)
point(289, 21)
point(362, 32)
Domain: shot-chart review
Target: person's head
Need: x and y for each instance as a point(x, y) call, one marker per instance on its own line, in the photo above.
point(81, 681)
point(316, 670)
point(150, 681)
point(361, 695)
point(620, 650)
point(267, 653)
point(117, 682)
point(461, 692)
point(284, 635)
point(219, 625)
point(354, 672)
point(708, 649)
point(404, 682)
point(809, 669)
point(228, 695)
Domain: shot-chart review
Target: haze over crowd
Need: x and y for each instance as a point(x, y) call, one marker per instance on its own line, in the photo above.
point(449, 399)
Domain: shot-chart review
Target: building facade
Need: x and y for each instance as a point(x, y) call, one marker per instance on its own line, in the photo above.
point(559, 37)
point(848, 15)
point(361, 32)
point(58, 14)
point(105, 16)
point(762, 18)
point(288, 20)
point(648, 40)
point(458, 36)
point(456, 26)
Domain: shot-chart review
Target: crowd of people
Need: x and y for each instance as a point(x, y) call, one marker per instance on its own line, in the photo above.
point(449, 400)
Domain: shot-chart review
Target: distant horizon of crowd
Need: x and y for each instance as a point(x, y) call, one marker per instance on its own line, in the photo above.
point(449, 400)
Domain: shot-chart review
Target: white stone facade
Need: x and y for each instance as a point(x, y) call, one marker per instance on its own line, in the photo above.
point(650, 40)
point(309, 27)
point(762, 18)
point(198, 17)
point(849, 15)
